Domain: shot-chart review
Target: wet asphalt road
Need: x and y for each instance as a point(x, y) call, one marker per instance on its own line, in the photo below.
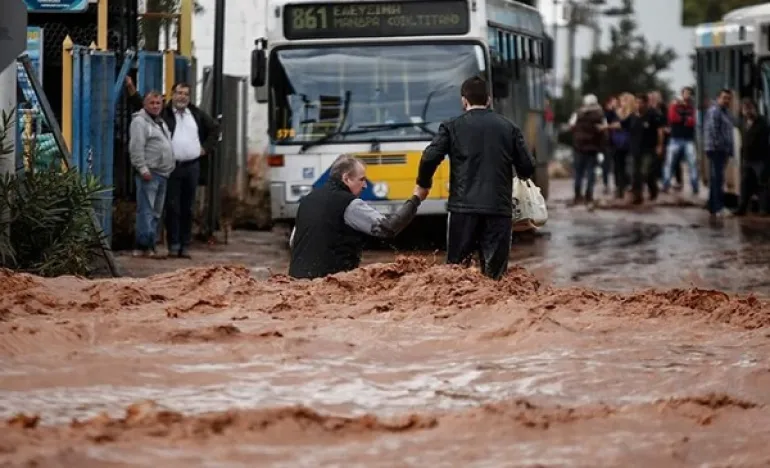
point(667, 247)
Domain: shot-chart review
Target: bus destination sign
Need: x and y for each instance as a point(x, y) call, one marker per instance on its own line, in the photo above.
point(376, 19)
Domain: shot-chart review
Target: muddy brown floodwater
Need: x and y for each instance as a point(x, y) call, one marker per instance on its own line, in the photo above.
point(397, 364)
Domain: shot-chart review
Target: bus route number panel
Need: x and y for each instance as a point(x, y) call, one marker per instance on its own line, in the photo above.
point(380, 19)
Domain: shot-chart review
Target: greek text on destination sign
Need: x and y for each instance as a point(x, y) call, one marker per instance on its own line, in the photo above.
point(385, 19)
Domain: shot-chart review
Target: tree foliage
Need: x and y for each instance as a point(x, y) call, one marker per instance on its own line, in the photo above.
point(45, 222)
point(695, 12)
point(630, 64)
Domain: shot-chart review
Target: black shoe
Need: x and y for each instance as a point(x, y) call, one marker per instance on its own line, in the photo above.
point(185, 254)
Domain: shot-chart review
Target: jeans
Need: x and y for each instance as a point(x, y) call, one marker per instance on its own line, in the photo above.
point(585, 166)
point(150, 197)
point(717, 164)
point(181, 203)
point(674, 147)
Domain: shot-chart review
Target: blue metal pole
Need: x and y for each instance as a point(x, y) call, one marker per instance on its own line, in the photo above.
point(157, 71)
point(86, 112)
point(98, 90)
point(141, 80)
point(109, 142)
point(119, 86)
point(97, 107)
point(77, 96)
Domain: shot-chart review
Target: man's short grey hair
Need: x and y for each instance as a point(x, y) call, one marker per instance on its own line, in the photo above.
point(345, 164)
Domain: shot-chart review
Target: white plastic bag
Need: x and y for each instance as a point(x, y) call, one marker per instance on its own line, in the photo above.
point(529, 209)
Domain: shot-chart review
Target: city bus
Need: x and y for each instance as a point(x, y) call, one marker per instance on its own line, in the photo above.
point(734, 54)
point(376, 78)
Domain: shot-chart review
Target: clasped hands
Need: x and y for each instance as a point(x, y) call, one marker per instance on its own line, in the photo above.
point(422, 193)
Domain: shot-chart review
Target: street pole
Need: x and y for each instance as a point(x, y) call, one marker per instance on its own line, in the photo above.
point(8, 105)
point(571, 33)
point(555, 45)
point(218, 70)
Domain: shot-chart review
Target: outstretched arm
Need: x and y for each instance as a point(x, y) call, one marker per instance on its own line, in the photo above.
point(364, 218)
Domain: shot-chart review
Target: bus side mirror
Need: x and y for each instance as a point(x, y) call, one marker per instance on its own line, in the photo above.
point(501, 77)
point(548, 53)
point(258, 64)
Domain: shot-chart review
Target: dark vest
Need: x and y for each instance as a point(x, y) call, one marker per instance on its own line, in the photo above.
point(586, 138)
point(323, 243)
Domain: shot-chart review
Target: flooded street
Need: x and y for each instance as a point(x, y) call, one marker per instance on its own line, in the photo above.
point(610, 343)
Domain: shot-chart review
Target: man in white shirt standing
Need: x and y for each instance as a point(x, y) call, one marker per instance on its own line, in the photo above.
point(193, 135)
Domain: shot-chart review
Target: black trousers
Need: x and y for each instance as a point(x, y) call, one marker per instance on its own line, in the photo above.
point(180, 204)
point(752, 184)
point(646, 171)
point(488, 236)
point(620, 157)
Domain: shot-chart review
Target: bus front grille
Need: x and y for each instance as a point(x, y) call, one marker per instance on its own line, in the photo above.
point(382, 159)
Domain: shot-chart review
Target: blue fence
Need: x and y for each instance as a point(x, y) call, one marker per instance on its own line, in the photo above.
point(183, 70)
point(96, 86)
point(150, 75)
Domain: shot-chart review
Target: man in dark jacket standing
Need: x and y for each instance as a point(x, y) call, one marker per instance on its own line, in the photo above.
point(332, 223)
point(647, 134)
point(484, 148)
point(194, 134)
point(755, 158)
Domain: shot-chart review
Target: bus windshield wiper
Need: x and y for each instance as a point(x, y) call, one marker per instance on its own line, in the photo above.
point(390, 126)
point(363, 129)
point(336, 133)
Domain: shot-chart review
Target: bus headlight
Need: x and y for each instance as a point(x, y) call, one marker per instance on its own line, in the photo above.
point(380, 189)
point(301, 190)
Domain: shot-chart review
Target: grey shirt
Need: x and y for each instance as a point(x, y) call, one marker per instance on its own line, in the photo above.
point(364, 218)
point(150, 145)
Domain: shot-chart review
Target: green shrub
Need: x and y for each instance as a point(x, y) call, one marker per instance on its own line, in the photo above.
point(45, 219)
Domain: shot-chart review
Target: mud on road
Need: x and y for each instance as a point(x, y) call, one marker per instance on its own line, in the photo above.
point(397, 364)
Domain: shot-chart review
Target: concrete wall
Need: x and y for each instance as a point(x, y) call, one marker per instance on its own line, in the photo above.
point(244, 21)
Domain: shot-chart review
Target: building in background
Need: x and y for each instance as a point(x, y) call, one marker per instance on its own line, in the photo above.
point(659, 20)
point(245, 22)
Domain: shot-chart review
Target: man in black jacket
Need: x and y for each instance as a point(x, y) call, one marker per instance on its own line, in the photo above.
point(194, 135)
point(484, 148)
point(332, 223)
point(755, 158)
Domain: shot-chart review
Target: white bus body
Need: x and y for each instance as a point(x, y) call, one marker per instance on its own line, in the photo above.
point(380, 77)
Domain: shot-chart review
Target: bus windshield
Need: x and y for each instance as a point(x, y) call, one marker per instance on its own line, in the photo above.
point(357, 92)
